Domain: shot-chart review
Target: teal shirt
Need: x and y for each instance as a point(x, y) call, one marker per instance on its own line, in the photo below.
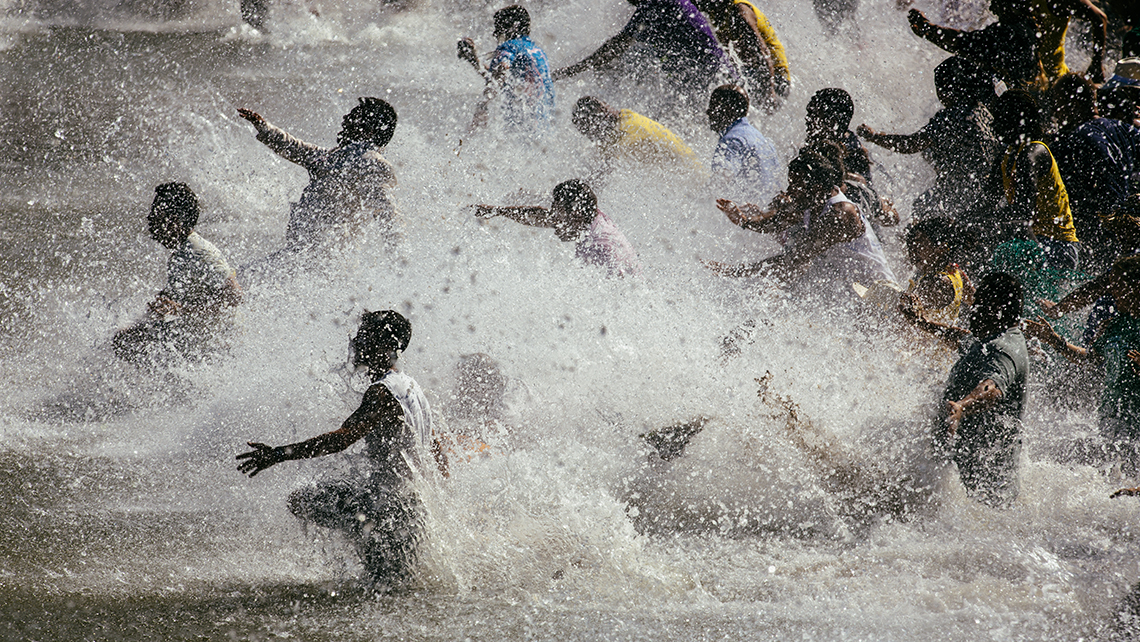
point(1120, 402)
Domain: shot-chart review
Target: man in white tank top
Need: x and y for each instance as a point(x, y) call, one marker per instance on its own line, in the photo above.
point(380, 512)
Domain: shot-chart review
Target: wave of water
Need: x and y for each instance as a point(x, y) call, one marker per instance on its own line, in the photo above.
point(809, 510)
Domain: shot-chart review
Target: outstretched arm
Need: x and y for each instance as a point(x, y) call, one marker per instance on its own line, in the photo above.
point(609, 50)
point(983, 397)
point(908, 308)
point(1044, 332)
point(533, 216)
point(378, 411)
point(1085, 295)
point(1098, 25)
point(284, 145)
point(777, 218)
point(944, 37)
point(901, 143)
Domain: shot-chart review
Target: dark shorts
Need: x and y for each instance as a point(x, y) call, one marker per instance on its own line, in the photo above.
point(384, 522)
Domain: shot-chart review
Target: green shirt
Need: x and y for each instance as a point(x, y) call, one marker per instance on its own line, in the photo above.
point(1120, 402)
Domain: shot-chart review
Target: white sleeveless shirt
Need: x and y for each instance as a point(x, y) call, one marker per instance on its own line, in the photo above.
point(860, 260)
point(417, 413)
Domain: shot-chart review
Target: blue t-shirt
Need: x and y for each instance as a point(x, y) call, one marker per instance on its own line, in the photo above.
point(682, 38)
point(748, 160)
point(527, 88)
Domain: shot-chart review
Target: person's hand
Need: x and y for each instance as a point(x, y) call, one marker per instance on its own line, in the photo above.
point(918, 22)
point(1125, 492)
point(1134, 356)
point(909, 306)
point(465, 50)
point(888, 215)
point(260, 458)
point(1051, 310)
point(731, 210)
point(164, 306)
point(561, 73)
point(1042, 330)
point(483, 211)
point(954, 418)
point(253, 117)
point(864, 131)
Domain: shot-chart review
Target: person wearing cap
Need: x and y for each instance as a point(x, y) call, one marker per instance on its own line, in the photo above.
point(201, 288)
point(518, 70)
point(348, 184)
point(380, 511)
point(575, 218)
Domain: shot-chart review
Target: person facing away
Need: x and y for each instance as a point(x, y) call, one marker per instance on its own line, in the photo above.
point(378, 509)
point(575, 218)
point(958, 142)
point(518, 70)
point(678, 35)
point(201, 288)
point(828, 120)
point(1115, 350)
point(1030, 180)
point(625, 134)
point(1099, 162)
point(1008, 47)
point(1052, 18)
point(741, 26)
point(826, 238)
point(744, 162)
point(348, 184)
point(984, 398)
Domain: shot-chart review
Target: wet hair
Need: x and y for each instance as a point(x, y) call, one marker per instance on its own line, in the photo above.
point(576, 197)
point(819, 164)
point(373, 119)
point(1118, 103)
point(833, 105)
point(586, 108)
point(1017, 112)
point(381, 332)
point(733, 98)
point(512, 21)
point(177, 200)
point(963, 81)
point(1075, 91)
point(999, 298)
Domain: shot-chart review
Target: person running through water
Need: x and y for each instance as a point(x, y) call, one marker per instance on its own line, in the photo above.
point(679, 36)
point(348, 184)
point(625, 134)
point(201, 288)
point(744, 162)
point(379, 510)
point(518, 70)
point(764, 65)
point(833, 244)
point(575, 218)
point(958, 142)
point(1008, 47)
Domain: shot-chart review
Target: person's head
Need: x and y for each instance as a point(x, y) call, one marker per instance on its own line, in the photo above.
point(814, 172)
point(1124, 285)
point(829, 113)
point(1017, 118)
point(479, 387)
point(372, 120)
point(380, 340)
point(716, 10)
point(173, 214)
point(574, 206)
point(1130, 43)
point(727, 104)
point(1120, 103)
point(930, 241)
point(1074, 101)
point(511, 22)
point(595, 119)
point(960, 82)
point(997, 305)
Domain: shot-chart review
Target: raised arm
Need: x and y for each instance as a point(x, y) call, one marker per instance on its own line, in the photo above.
point(1044, 332)
point(378, 411)
point(901, 143)
point(1098, 26)
point(533, 216)
point(944, 37)
point(609, 50)
point(284, 145)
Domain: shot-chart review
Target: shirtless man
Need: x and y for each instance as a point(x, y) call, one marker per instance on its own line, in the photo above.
point(379, 511)
point(348, 184)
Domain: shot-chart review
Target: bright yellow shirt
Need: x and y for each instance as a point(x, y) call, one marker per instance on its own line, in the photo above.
point(1052, 217)
point(648, 141)
point(1051, 39)
point(769, 35)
